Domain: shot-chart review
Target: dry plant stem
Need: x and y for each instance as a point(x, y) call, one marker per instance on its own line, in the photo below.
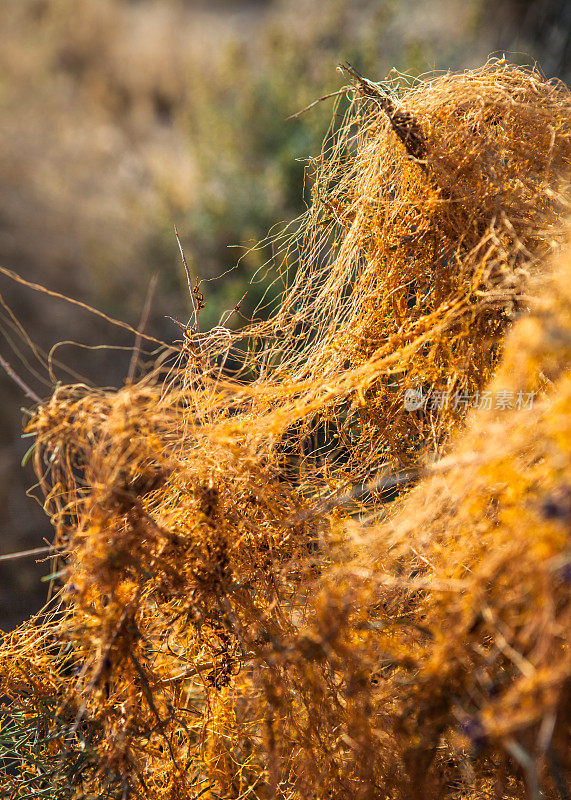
point(25, 553)
point(315, 103)
point(84, 306)
point(407, 128)
point(380, 484)
point(141, 327)
point(21, 383)
point(189, 281)
point(528, 765)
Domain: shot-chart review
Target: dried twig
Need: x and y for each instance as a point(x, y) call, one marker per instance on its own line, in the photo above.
point(141, 327)
point(380, 484)
point(315, 103)
point(189, 281)
point(78, 303)
point(528, 765)
point(35, 551)
point(21, 383)
point(404, 123)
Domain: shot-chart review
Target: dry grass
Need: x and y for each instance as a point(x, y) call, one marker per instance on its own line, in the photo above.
point(228, 626)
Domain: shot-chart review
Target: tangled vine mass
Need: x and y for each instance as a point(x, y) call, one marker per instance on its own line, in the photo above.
point(277, 577)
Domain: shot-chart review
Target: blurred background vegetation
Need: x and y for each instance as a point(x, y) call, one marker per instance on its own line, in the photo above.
point(121, 118)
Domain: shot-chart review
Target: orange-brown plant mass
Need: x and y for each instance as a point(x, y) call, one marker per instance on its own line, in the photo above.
point(247, 607)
